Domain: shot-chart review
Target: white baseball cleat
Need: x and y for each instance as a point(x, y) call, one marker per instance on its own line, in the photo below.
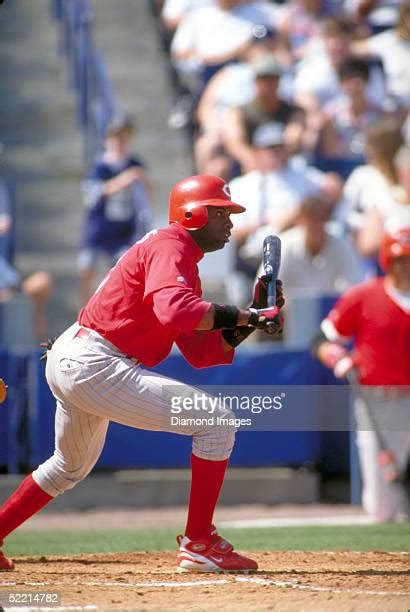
point(211, 555)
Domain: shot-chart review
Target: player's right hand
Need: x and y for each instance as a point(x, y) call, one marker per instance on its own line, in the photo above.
point(337, 358)
point(343, 367)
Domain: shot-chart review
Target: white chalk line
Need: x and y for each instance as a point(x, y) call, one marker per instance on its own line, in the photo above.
point(312, 521)
point(221, 581)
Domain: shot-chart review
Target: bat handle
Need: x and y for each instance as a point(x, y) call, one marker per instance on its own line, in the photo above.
point(271, 297)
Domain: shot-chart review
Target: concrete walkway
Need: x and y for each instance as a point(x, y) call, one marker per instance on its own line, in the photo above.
point(42, 148)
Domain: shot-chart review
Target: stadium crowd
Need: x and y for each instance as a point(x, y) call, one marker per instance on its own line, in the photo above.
point(303, 106)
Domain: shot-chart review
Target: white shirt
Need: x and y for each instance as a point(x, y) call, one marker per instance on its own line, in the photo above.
point(176, 9)
point(334, 269)
point(366, 187)
point(210, 31)
point(395, 55)
point(283, 191)
point(316, 76)
point(263, 194)
point(384, 13)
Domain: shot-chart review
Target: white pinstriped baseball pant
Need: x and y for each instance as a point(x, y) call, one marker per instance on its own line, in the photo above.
point(377, 497)
point(95, 383)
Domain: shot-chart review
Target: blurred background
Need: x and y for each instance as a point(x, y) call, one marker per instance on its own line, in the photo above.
point(301, 105)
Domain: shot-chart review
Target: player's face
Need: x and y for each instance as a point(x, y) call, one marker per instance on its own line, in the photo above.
point(216, 232)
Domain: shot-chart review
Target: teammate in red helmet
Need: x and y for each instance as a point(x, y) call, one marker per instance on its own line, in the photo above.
point(376, 316)
point(97, 369)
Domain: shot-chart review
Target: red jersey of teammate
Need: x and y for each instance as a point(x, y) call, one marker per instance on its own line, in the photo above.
point(381, 332)
point(152, 298)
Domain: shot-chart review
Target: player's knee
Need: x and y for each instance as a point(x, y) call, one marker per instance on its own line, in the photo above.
point(217, 442)
point(56, 475)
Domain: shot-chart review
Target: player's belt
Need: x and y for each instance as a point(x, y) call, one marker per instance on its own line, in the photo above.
point(86, 333)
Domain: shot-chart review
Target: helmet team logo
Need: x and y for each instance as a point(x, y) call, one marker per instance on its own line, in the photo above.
point(227, 190)
point(190, 197)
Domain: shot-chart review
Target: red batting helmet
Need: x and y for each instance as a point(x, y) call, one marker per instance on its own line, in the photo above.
point(190, 197)
point(395, 244)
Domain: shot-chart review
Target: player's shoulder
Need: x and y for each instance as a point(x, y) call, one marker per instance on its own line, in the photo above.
point(367, 290)
point(173, 238)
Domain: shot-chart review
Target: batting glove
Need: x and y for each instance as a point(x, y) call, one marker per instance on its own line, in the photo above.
point(267, 319)
point(260, 295)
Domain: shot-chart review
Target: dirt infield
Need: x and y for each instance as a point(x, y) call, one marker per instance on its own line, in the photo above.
point(288, 581)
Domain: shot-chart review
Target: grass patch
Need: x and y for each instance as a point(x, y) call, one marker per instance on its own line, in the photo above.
point(361, 538)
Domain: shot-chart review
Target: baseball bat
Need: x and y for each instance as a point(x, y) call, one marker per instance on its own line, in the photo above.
point(271, 265)
point(391, 471)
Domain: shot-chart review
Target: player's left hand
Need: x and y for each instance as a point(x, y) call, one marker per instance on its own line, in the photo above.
point(267, 319)
point(260, 294)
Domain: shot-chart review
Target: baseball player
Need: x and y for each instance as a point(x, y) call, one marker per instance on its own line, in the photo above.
point(97, 368)
point(376, 316)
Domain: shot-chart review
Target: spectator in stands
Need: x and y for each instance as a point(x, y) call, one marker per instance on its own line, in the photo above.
point(393, 49)
point(232, 86)
point(378, 14)
point(240, 123)
point(174, 11)
point(37, 286)
point(273, 192)
point(117, 197)
point(387, 214)
point(211, 36)
point(371, 184)
point(342, 137)
point(316, 81)
point(314, 261)
point(299, 23)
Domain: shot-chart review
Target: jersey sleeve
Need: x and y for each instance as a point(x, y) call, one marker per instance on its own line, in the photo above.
point(203, 349)
point(343, 320)
point(170, 282)
point(179, 308)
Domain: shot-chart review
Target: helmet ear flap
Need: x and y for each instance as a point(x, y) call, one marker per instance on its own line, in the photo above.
point(194, 216)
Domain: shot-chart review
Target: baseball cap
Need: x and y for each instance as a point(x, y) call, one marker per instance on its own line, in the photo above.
point(268, 135)
point(267, 65)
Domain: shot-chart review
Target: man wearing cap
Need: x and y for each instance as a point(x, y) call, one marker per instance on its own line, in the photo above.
point(98, 368)
point(274, 191)
point(232, 86)
point(240, 122)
